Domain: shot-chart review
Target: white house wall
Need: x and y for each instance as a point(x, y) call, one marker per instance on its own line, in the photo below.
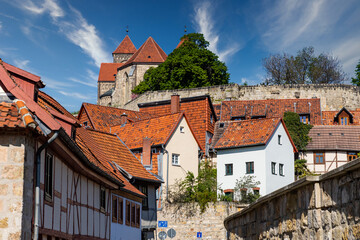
point(123, 231)
point(238, 157)
point(280, 154)
point(75, 207)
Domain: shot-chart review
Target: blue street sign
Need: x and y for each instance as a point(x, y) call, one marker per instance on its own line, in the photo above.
point(199, 234)
point(162, 224)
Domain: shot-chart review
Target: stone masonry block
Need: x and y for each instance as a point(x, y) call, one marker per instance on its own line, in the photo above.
point(12, 172)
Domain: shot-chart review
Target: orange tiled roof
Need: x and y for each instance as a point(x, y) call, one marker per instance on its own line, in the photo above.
point(102, 117)
point(149, 52)
point(47, 102)
point(100, 158)
point(126, 46)
point(159, 129)
point(198, 111)
point(246, 132)
point(329, 116)
point(107, 71)
point(15, 115)
point(270, 108)
point(118, 152)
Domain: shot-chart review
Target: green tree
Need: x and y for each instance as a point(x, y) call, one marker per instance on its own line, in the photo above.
point(301, 169)
point(243, 188)
point(188, 66)
point(201, 189)
point(356, 79)
point(297, 130)
point(303, 68)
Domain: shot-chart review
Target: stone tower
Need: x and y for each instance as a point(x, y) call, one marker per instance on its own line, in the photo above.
point(118, 79)
point(107, 74)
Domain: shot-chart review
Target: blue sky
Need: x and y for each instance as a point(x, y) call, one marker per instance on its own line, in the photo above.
point(64, 42)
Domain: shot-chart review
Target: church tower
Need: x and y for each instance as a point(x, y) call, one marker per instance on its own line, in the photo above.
point(124, 51)
point(117, 80)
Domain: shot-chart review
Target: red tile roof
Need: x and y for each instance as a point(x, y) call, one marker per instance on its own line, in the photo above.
point(159, 129)
point(329, 116)
point(100, 159)
point(29, 76)
point(102, 117)
point(126, 46)
point(270, 108)
point(13, 88)
point(198, 111)
point(10, 117)
point(49, 103)
point(118, 152)
point(245, 133)
point(108, 71)
point(149, 52)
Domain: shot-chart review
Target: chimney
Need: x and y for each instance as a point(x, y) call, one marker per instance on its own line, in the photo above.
point(146, 152)
point(175, 103)
point(123, 119)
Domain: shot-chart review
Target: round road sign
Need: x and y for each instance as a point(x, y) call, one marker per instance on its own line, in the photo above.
point(171, 233)
point(162, 235)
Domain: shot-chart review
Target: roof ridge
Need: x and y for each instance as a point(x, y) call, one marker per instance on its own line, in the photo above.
point(149, 119)
point(126, 46)
point(101, 106)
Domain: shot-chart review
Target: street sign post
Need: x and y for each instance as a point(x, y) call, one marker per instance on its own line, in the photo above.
point(171, 233)
point(162, 224)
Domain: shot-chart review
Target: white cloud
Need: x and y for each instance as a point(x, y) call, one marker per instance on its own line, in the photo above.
point(90, 79)
point(54, 84)
point(76, 95)
point(349, 54)
point(205, 24)
point(84, 35)
point(74, 27)
point(87, 83)
point(46, 6)
point(23, 64)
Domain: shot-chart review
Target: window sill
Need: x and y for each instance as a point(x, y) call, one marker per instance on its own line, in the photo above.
point(175, 165)
point(250, 173)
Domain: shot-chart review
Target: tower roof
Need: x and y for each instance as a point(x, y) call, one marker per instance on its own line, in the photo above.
point(126, 46)
point(149, 52)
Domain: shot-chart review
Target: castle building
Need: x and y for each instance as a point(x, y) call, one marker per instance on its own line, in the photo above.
point(117, 80)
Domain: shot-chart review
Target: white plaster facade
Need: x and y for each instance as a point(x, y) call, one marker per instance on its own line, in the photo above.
point(262, 156)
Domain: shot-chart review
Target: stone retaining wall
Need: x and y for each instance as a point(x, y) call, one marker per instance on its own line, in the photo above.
point(186, 220)
point(316, 207)
point(333, 96)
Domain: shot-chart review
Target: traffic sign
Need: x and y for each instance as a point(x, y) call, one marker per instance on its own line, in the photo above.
point(171, 233)
point(162, 224)
point(162, 235)
point(199, 234)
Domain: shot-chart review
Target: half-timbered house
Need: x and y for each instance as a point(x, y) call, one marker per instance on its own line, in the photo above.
point(52, 184)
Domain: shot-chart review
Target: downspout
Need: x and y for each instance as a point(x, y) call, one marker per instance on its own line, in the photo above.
point(37, 186)
point(167, 173)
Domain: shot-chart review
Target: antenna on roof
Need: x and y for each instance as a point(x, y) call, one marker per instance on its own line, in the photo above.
point(127, 29)
point(185, 29)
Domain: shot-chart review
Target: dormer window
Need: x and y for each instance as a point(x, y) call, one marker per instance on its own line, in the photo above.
point(344, 120)
point(85, 124)
point(305, 118)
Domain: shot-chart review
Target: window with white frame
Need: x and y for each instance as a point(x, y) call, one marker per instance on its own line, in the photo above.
point(175, 159)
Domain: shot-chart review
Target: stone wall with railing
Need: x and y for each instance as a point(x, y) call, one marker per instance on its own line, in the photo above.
point(315, 207)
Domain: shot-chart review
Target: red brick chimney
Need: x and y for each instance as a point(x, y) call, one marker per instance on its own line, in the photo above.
point(175, 103)
point(146, 152)
point(123, 119)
